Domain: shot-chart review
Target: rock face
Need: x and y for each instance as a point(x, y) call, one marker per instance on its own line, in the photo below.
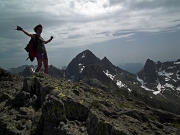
point(43, 105)
point(149, 72)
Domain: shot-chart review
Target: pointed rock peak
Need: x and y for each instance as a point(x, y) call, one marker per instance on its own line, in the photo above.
point(87, 51)
point(51, 66)
point(105, 60)
point(158, 62)
point(149, 63)
point(86, 54)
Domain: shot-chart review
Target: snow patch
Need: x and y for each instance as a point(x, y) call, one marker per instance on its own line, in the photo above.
point(176, 62)
point(178, 88)
point(178, 76)
point(142, 84)
point(33, 70)
point(169, 86)
point(83, 56)
point(140, 80)
point(159, 87)
point(167, 79)
point(81, 67)
point(171, 67)
point(164, 73)
point(129, 89)
point(120, 84)
point(109, 75)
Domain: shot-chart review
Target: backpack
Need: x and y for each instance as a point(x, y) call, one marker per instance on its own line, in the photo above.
point(32, 47)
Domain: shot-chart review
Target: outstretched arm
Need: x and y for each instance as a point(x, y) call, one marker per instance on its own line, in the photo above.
point(21, 29)
point(30, 35)
point(45, 42)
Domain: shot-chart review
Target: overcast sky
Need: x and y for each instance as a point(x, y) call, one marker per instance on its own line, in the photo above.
point(125, 31)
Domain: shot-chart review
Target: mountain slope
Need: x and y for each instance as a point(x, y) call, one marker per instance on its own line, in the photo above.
point(94, 76)
point(44, 105)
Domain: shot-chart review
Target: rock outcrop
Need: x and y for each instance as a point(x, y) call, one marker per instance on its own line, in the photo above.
point(43, 105)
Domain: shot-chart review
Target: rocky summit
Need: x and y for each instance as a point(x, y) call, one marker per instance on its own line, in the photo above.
point(43, 105)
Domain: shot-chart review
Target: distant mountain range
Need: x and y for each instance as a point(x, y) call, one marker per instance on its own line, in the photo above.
point(132, 67)
point(157, 84)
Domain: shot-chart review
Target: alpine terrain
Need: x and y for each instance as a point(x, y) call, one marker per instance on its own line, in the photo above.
point(91, 97)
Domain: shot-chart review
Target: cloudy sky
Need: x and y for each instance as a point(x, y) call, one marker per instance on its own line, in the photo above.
point(125, 31)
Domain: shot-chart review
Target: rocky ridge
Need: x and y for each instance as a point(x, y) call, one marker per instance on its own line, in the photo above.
point(43, 105)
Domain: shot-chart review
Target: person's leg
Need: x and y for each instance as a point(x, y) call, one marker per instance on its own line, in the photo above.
point(45, 62)
point(39, 62)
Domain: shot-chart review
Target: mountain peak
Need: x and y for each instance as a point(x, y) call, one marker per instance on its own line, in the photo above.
point(105, 60)
point(150, 71)
point(76, 66)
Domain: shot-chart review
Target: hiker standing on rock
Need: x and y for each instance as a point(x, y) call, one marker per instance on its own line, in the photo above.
point(41, 54)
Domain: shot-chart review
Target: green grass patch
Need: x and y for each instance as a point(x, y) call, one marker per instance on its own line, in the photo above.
point(126, 105)
point(152, 117)
point(175, 124)
point(94, 104)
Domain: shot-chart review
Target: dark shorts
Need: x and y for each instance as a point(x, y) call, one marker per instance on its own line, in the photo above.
point(41, 56)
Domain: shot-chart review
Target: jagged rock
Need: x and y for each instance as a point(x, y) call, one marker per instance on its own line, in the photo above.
point(150, 71)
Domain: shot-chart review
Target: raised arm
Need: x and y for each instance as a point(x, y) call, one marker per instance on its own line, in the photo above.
point(45, 42)
point(26, 33)
point(30, 35)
